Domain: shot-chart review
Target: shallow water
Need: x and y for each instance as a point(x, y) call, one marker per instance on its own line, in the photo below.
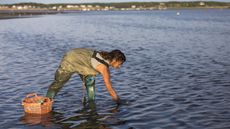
point(177, 73)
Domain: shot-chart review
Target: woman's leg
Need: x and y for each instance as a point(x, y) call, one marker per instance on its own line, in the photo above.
point(89, 83)
point(61, 77)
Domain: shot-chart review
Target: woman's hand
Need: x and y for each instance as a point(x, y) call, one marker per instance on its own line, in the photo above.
point(118, 101)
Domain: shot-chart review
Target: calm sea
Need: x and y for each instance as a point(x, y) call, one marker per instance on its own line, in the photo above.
point(177, 74)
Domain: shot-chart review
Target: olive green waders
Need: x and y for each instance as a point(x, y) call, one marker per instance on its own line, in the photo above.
point(62, 76)
point(75, 61)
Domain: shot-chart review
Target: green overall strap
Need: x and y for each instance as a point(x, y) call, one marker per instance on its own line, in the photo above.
point(98, 59)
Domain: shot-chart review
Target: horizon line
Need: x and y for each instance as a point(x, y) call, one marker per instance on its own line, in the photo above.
point(121, 2)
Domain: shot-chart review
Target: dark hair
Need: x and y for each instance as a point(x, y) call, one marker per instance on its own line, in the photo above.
point(114, 54)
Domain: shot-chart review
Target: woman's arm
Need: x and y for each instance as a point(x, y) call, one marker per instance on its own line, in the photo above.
point(106, 76)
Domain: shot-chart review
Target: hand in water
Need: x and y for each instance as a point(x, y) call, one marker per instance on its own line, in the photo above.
point(118, 101)
point(122, 102)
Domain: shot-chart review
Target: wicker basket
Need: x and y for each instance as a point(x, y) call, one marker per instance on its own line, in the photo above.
point(34, 104)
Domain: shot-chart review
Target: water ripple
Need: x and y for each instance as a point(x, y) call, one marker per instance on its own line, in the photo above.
point(176, 74)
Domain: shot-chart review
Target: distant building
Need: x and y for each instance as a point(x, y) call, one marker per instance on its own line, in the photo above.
point(4, 7)
point(89, 6)
point(106, 8)
point(111, 7)
point(201, 3)
point(69, 6)
point(162, 6)
point(19, 7)
point(25, 7)
point(82, 6)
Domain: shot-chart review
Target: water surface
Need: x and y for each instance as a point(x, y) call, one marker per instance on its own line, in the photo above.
point(177, 73)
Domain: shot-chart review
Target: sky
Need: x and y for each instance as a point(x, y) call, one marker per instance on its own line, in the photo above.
point(91, 1)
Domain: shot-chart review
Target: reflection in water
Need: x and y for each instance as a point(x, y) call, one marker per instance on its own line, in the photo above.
point(87, 118)
point(33, 119)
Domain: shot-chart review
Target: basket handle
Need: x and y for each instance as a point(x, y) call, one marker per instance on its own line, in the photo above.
point(31, 95)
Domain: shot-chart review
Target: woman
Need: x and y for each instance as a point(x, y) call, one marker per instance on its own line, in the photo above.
point(87, 63)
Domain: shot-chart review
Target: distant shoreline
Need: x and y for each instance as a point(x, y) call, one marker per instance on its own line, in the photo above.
point(13, 14)
point(114, 6)
point(22, 10)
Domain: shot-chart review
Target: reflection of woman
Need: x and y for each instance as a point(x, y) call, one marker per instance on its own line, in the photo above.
point(88, 118)
point(87, 63)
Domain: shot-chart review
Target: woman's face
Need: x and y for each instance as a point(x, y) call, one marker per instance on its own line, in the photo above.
point(116, 64)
